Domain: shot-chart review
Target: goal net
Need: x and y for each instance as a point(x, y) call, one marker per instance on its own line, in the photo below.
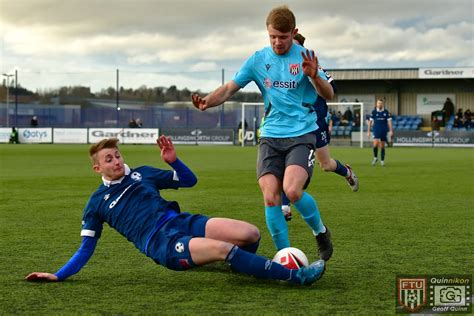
point(348, 121)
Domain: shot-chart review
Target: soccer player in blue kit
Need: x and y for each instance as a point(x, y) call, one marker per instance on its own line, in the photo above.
point(285, 73)
point(129, 201)
point(381, 120)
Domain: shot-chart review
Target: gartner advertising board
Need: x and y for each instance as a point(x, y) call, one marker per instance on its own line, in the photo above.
point(125, 135)
point(446, 73)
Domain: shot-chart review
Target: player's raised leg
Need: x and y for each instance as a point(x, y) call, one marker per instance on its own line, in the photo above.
point(293, 183)
point(329, 164)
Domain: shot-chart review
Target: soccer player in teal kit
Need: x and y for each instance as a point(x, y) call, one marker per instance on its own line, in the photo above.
point(129, 201)
point(283, 72)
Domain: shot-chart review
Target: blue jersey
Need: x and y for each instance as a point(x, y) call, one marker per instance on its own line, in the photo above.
point(380, 120)
point(288, 94)
point(133, 205)
point(321, 106)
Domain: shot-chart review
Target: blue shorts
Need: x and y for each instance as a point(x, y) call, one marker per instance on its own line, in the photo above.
point(323, 138)
point(382, 135)
point(170, 245)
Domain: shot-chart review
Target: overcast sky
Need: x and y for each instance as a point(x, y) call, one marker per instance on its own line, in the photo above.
point(187, 43)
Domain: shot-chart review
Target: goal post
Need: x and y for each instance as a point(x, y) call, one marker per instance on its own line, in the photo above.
point(258, 107)
point(258, 113)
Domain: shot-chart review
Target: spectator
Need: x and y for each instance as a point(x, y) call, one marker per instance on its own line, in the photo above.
point(132, 123)
point(458, 119)
point(356, 122)
point(139, 122)
point(14, 136)
point(467, 118)
point(347, 117)
point(448, 110)
point(34, 121)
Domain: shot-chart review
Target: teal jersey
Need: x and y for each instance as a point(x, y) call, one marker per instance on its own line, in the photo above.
point(288, 94)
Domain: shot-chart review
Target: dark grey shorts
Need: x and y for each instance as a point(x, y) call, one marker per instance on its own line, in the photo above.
point(275, 154)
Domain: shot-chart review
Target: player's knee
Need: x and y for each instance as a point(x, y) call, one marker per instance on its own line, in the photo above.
point(294, 194)
point(271, 199)
point(252, 234)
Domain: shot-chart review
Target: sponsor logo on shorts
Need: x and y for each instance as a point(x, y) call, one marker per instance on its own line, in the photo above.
point(179, 247)
point(311, 158)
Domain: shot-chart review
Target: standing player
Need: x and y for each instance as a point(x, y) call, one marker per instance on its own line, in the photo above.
point(322, 142)
point(285, 74)
point(381, 120)
point(129, 201)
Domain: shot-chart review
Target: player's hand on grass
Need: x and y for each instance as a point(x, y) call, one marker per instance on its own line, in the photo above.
point(310, 64)
point(199, 102)
point(41, 277)
point(168, 153)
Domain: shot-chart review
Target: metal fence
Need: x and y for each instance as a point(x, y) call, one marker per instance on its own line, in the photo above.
point(105, 114)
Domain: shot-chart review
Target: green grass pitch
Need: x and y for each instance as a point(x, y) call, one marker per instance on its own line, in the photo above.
point(413, 216)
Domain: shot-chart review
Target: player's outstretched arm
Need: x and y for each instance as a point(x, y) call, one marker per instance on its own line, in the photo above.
point(73, 266)
point(310, 69)
point(168, 153)
point(215, 98)
point(41, 277)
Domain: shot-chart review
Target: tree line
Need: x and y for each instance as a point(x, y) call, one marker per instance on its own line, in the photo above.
point(80, 94)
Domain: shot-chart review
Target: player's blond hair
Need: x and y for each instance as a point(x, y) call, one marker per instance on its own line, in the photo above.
point(282, 19)
point(103, 144)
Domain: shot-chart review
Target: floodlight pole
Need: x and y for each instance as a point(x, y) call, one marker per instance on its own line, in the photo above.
point(16, 98)
point(8, 95)
point(117, 104)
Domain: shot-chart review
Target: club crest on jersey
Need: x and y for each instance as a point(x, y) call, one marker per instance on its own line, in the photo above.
point(106, 197)
point(294, 69)
point(136, 176)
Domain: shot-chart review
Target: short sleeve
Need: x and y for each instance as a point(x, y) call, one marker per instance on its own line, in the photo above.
point(246, 72)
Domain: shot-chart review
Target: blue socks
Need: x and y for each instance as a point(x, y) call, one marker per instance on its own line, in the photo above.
point(284, 199)
point(340, 169)
point(309, 211)
point(277, 226)
point(252, 248)
point(259, 267)
point(383, 154)
point(376, 152)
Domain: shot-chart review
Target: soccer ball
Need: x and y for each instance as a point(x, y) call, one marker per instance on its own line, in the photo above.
point(292, 258)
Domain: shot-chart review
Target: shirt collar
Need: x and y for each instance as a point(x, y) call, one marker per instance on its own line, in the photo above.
point(108, 183)
point(383, 109)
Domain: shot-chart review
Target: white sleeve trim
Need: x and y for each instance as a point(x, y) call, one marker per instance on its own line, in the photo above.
point(389, 119)
point(87, 233)
point(175, 176)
